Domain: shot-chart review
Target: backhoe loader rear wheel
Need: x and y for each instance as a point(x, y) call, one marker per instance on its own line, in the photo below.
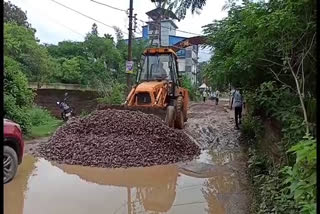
point(170, 116)
point(179, 122)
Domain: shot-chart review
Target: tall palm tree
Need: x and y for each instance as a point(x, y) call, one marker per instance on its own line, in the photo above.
point(181, 6)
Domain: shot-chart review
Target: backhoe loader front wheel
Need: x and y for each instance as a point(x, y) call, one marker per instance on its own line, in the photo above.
point(179, 121)
point(170, 116)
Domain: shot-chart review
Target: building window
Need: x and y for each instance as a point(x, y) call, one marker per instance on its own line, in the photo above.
point(154, 37)
point(153, 27)
point(181, 53)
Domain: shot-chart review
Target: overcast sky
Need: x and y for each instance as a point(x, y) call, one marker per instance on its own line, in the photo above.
point(54, 23)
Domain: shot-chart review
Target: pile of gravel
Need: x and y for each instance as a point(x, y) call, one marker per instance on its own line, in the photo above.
point(118, 138)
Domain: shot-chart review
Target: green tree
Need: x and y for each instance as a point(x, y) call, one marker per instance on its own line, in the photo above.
point(67, 49)
point(193, 92)
point(12, 13)
point(201, 69)
point(21, 45)
point(38, 65)
point(182, 6)
point(94, 30)
point(17, 96)
point(71, 71)
point(138, 47)
point(18, 40)
point(256, 44)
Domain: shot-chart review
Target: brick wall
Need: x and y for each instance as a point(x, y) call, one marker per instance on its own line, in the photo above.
point(79, 100)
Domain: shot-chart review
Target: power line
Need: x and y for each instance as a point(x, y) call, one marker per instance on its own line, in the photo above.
point(59, 23)
point(68, 28)
point(115, 8)
point(119, 9)
point(84, 15)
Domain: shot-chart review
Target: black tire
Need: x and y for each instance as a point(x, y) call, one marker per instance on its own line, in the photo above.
point(72, 113)
point(170, 116)
point(179, 122)
point(10, 164)
point(63, 116)
point(185, 116)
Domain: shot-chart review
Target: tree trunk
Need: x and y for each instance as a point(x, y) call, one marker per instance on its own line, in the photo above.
point(301, 99)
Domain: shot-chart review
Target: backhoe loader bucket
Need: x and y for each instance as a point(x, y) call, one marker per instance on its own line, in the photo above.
point(159, 112)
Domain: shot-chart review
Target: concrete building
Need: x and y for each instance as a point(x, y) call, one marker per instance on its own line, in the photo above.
point(188, 57)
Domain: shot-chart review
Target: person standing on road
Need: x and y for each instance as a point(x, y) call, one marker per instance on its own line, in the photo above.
point(237, 101)
point(213, 95)
point(217, 96)
point(204, 95)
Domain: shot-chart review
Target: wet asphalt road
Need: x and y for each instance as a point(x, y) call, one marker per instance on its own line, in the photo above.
point(215, 182)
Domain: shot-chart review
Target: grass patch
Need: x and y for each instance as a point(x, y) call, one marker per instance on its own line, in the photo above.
point(44, 130)
point(43, 124)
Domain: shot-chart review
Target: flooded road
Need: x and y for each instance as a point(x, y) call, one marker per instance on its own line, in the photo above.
point(213, 183)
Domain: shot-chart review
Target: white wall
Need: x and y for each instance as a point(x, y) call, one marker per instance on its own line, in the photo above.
point(194, 55)
point(165, 33)
point(181, 65)
point(167, 29)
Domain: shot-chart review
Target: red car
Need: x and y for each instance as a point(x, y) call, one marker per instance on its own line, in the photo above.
point(13, 146)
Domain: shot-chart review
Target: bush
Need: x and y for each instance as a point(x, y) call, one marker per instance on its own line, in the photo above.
point(268, 187)
point(301, 177)
point(279, 188)
point(16, 83)
point(193, 92)
point(16, 113)
point(17, 96)
point(252, 127)
point(39, 116)
point(115, 95)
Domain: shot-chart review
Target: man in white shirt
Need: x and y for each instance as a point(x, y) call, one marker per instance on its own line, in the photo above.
point(217, 96)
point(204, 95)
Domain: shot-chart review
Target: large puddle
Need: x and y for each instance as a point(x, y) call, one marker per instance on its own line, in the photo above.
point(41, 187)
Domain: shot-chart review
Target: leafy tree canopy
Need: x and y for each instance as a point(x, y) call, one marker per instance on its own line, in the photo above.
point(12, 13)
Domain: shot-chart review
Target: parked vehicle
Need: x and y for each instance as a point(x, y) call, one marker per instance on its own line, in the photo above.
point(13, 146)
point(66, 110)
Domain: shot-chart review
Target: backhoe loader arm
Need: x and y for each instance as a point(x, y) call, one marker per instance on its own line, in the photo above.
point(197, 40)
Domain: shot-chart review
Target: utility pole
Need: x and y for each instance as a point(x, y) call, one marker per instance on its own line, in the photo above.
point(129, 45)
point(135, 22)
point(159, 20)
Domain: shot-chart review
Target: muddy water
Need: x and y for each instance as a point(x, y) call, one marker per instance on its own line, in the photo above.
point(195, 187)
point(214, 183)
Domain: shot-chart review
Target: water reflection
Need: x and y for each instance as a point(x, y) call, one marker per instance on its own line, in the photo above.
point(153, 187)
point(14, 191)
point(55, 188)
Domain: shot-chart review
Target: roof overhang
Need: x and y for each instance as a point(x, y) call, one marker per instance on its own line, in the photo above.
point(154, 14)
point(196, 40)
